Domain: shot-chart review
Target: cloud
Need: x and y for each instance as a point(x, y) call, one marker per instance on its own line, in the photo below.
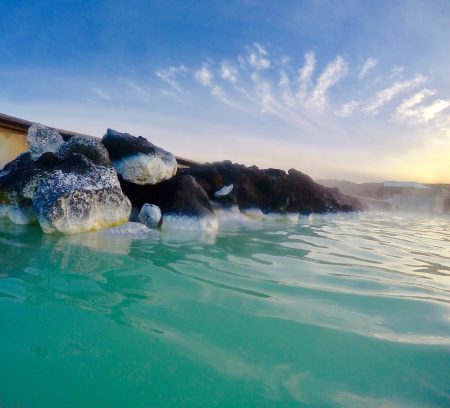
point(228, 72)
point(384, 96)
point(169, 74)
point(101, 94)
point(133, 86)
point(305, 74)
point(303, 100)
point(404, 110)
point(367, 66)
point(333, 73)
point(257, 58)
point(264, 93)
point(204, 76)
point(286, 90)
point(347, 109)
point(412, 111)
point(397, 71)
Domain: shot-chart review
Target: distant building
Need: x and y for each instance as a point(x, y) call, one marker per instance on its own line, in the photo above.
point(404, 184)
point(421, 200)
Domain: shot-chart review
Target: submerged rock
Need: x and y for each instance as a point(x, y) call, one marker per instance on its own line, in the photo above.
point(66, 195)
point(150, 215)
point(137, 160)
point(42, 139)
point(128, 230)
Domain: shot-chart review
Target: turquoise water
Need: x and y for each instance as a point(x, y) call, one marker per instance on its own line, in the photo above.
point(343, 311)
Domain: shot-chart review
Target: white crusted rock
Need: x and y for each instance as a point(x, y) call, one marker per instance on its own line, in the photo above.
point(137, 160)
point(67, 195)
point(150, 215)
point(145, 169)
point(71, 202)
point(42, 139)
point(224, 191)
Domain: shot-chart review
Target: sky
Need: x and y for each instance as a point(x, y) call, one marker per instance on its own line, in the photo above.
point(355, 90)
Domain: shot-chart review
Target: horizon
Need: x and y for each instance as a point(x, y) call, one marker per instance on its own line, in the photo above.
point(356, 92)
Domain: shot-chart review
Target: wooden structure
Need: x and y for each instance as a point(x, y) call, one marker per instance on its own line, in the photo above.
point(13, 139)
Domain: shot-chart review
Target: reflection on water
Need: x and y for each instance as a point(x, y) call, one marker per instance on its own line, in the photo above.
point(332, 311)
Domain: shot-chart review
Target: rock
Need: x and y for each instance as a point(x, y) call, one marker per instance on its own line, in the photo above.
point(224, 191)
point(42, 139)
point(189, 223)
point(253, 214)
point(71, 202)
point(137, 160)
point(150, 215)
point(90, 147)
point(66, 195)
point(270, 190)
point(183, 202)
point(12, 203)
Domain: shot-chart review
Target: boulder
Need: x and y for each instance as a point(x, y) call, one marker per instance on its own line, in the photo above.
point(137, 160)
point(90, 147)
point(67, 195)
point(42, 139)
point(13, 204)
point(72, 201)
point(183, 202)
point(270, 190)
point(150, 215)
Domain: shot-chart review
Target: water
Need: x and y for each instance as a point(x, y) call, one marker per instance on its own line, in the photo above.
point(345, 311)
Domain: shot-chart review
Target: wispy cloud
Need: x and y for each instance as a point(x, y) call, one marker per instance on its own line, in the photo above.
point(228, 71)
point(204, 76)
point(412, 110)
point(170, 74)
point(305, 75)
point(286, 89)
point(397, 71)
point(367, 66)
point(384, 96)
point(254, 83)
point(347, 109)
point(258, 57)
point(132, 85)
point(333, 73)
point(101, 94)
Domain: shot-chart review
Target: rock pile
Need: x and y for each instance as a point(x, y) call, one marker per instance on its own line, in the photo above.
point(86, 183)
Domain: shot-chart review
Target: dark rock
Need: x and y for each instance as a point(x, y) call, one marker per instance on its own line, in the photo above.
point(90, 147)
point(137, 160)
point(271, 190)
point(179, 195)
point(180, 198)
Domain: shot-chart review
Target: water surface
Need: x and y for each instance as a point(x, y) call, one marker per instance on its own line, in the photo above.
point(344, 311)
